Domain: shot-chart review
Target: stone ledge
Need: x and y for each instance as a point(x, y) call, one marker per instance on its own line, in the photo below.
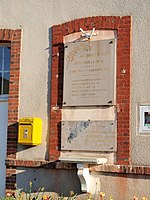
point(122, 169)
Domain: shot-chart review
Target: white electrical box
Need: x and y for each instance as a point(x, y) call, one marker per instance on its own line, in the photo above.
point(144, 119)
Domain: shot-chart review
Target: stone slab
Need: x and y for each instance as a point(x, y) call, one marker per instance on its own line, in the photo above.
point(89, 135)
point(90, 73)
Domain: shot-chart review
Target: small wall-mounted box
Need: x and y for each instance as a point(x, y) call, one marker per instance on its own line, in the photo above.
point(145, 119)
point(30, 131)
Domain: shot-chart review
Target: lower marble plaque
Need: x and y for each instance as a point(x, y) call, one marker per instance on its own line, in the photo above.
point(89, 135)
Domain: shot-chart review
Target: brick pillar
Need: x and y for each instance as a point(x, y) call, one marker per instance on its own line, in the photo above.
point(123, 27)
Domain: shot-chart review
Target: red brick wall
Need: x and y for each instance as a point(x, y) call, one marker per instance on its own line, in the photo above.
point(123, 27)
point(14, 37)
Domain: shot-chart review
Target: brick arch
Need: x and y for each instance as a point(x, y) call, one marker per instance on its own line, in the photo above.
point(123, 27)
point(14, 38)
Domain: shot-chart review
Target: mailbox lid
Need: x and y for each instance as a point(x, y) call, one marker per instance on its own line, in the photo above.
point(28, 120)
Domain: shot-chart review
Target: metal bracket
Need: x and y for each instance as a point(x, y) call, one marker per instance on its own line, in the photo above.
point(88, 35)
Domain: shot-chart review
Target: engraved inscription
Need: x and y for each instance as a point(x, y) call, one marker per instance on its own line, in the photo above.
point(89, 135)
point(89, 73)
point(79, 127)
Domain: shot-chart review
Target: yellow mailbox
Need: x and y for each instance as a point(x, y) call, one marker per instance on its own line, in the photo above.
point(30, 131)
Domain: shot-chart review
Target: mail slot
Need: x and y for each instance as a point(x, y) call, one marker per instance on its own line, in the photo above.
point(30, 131)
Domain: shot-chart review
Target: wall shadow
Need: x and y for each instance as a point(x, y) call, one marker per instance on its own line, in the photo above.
point(60, 181)
point(12, 140)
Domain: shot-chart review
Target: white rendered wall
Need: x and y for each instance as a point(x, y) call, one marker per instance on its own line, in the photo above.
point(36, 17)
point(120, 186)
point(60, 181)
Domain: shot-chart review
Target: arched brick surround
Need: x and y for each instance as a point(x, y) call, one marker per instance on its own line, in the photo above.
point(14, 38)
point(123, 27)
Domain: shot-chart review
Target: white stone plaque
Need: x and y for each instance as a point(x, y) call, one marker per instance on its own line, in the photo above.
point(89, 135)
point(90, 73)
